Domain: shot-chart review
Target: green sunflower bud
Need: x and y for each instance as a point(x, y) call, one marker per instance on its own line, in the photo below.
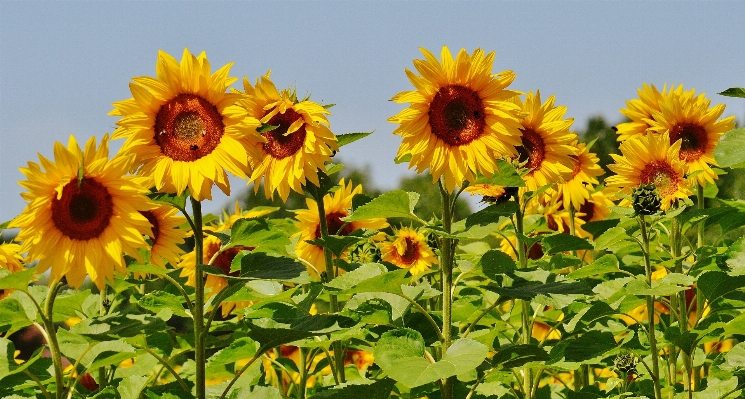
point(365, 252)
point(625, 363)
point(647, 199)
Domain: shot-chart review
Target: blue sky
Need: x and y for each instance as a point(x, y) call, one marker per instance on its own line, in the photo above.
point(62, 64)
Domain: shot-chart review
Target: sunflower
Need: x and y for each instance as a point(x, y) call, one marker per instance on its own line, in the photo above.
point(184, 129)
point(690, 118)
point(490, 193)
point(650, 159)
point(408, 249)
point(337, 206)
point(576, 190)
point(459, 120)
point(299, 145)
point(596, 208)
point(83, 213)
point(639, 112)
point(547, 144)
point(10, 260)
point(166, 235)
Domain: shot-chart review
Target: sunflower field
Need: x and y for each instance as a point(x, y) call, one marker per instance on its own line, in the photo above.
point(570, 282)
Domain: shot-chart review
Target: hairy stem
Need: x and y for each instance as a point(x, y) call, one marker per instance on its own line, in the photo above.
point(650, 311)
point(199, 332)
point(48, 319)
point(446, 267)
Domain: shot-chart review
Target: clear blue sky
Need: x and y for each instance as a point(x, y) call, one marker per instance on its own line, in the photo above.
point(62, 64)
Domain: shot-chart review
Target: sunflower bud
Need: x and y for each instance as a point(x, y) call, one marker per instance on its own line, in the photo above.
point(646, 199)
point(365, 252)
point(625, 363)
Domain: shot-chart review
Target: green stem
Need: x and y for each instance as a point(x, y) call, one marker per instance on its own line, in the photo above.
point(700, 302)
point(102, 311)
point(522, 256)
point(446, 266)
point(199, 332)
point(48, 319)
point(330, 275)
point(650, 311)
point(303, 375)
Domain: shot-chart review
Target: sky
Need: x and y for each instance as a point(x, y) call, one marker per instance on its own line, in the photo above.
point(62, 64)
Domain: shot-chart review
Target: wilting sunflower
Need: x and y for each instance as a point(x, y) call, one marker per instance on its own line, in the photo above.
point(299, 145)
point(576, 190)
point(408, 249)
point(337, 205)
point(689, 118)
point(184, 129)
point(83, 213)
point(459, 120)
point(650, 159)
point(166, 235)
point(546, 140)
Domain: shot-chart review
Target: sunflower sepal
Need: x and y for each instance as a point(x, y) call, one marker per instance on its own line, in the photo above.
point(265, 127)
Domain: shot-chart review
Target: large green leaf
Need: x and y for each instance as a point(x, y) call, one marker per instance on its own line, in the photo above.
point(492, 214)
point(240, 349)
point(351, 279)
point(275, 332)
point(258, 235)
point(347, 138)
point(511, 356)
point(337, 244)
point(563, 243)
point(259, 265)
point(400, 354)
point(603, 265)
point(505, 175)
point(132, 386)
point(16, 281)
point(729, 153)
point(494, 263)
point(393, 204)
point(611, 237)
point(158, 300)
point(390, 282)
point(531, 290)
point(177, 201)
point(589, 345)
point(356, 389)
point(715, 284)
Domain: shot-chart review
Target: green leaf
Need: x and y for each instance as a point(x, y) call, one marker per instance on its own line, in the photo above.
point(735, 256)
point(734, 92)
point(564, 243)
point(337, 244)
point(132, 386)
point(715, 284)
point(240, 349)
point(147, 269)
point(729, 153)
point(390, 282)
point(69, 304)
point(158, 300)
point(177, 201)
point(259, 265)
point(6, 357)
point(597, 228)
point(257, 235)
point(16, 281)
point(495, 262)
point(4, 225)
point(355, 389)
point(402, 159)
point(603, 265)
point(116, 325)
point(265, 127)
point(255, 392)
point(492, 214)
point(685, 341)
point(400, 354)
point(347, 138)
point(271, 333)
point(393, 204)
point(611, 237)
point(13, 314)
point(511, 356)
point(532, 289)
point(505, 176)
point(351, 279)
point(589, 345)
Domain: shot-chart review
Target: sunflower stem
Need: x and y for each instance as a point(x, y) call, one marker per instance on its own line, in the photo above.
point(582, 375)
point(102, 311)
point(700, 204)
point(446, 251)
point(650, 310)
point(199, 333)
point(522, 256)
point(330, 274)
point(48, 319)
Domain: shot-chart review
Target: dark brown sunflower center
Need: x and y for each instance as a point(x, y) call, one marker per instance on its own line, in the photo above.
point(84, 210)
point(533, 150)
point(662, 175)
point(279, 144)
point(457, 115)
point(334, 223)
point(693, 139)
point(588, 208)
point(150, 216)
point(188, 127)
point(225, 260)
point(411, 251)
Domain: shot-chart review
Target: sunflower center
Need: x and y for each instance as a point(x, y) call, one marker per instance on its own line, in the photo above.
point(150, 216)
point(457, 115)
point(588, 208)
point(693, 140)
point(662, 175)
point(533, 151)
point(334, 223)
point(225, 260)
point(577, 165)
point(410, 252)
point(188, 127)
point(279, 144)
point(84, 210)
